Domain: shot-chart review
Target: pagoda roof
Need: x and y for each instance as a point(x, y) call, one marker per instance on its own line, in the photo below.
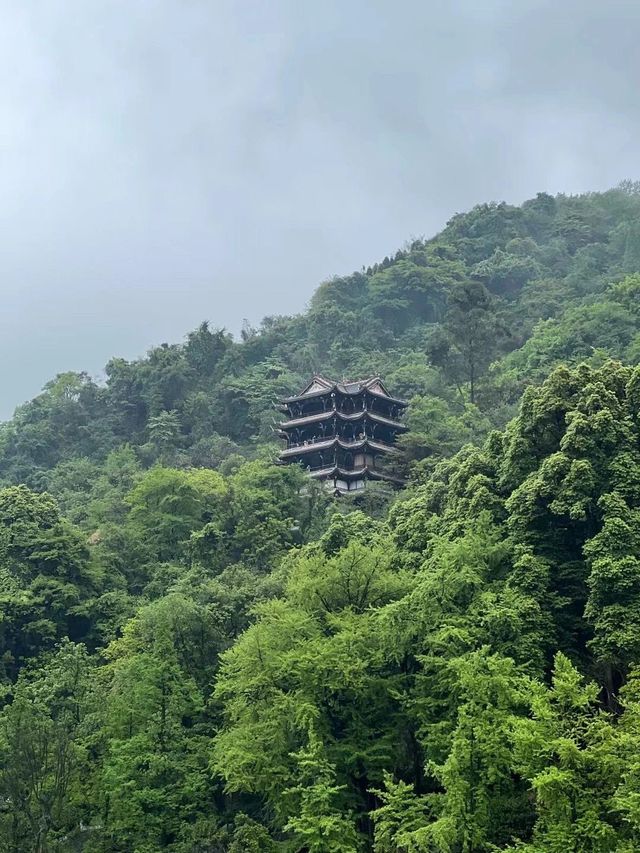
point(335, 472)
point(301, 449)
point(319, 387)
point(356, 416)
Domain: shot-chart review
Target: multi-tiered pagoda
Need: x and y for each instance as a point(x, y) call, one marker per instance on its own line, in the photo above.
point(343, 432)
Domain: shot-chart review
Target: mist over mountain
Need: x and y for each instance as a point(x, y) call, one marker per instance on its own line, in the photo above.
point(164, 163)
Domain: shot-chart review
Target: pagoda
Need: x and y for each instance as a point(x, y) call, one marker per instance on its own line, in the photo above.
point(343, 432)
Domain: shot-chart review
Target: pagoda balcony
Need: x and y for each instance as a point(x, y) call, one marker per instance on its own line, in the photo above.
point(328, 472)
point(335, 413)
point(321, 444)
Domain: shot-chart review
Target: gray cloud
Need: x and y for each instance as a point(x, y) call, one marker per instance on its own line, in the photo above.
point(166, 161)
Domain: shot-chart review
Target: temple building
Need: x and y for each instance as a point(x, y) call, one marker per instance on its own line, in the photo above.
point(343, 432)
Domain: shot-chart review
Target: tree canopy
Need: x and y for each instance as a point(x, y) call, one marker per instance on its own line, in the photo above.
point(203, 651)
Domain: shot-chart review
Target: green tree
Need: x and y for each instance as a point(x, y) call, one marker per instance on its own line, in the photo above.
point(168, 504)
point(471, 335)
point(567, 752)
point(45, 770)
point(154, 783)
point(46, 578)
point(318, 822)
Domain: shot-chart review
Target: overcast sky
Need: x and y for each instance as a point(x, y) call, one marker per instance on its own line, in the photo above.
point(168, 161)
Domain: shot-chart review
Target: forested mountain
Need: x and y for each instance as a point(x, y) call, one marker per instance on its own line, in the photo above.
point(202, 651)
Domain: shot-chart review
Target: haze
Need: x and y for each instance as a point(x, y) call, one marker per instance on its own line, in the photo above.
point(170, 161)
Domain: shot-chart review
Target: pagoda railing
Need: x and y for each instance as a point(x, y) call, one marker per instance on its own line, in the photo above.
point(347, 442)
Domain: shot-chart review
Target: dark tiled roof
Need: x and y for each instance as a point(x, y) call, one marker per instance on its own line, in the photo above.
point(357, 474)
point(301, 449)
point(356, 416)
point(319, 386)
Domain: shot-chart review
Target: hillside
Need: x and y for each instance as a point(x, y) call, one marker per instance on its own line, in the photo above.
point(202, 652)
point(462, 322)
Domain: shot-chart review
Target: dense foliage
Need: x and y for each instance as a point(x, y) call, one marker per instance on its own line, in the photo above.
point(202, 651)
